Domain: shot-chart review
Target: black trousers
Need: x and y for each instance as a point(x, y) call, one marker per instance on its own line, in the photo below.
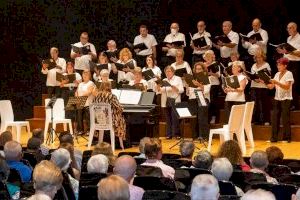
point(83, 115)
point(261, 112)
point(294, 67)
point(281, 109)
point(53, 91)
point(214, 108)
point(199, 125)
point(172, 122)
point(228, 105)
point(67, 92)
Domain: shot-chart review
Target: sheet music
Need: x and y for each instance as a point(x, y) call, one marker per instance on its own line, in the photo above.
point(183, 112)
point(116, 92)
point(201, 98)
point(130, 97)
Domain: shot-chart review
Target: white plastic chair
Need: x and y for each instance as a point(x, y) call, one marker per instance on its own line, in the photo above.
point(101, 119)
point(247, 122)
point(7, 119)
point(234, 126)
point(58, 116)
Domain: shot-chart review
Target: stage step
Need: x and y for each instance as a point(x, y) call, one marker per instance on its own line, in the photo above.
point(44, 96)
point(39, 112)
point(40, 123)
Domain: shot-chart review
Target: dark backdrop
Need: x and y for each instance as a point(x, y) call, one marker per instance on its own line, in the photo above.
point(30, 28)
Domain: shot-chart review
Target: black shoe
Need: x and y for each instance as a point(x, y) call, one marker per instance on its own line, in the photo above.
point(273, 140)
point(169, 137)
point(286, 140)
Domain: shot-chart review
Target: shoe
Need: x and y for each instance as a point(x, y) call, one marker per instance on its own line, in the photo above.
point(273, 140)
point(213, 120)
point(169, 137)
point(286, 140)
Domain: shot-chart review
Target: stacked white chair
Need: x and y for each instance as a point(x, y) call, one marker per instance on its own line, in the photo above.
point(7, 119)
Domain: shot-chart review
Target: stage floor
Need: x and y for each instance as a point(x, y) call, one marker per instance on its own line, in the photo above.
point(290, 150)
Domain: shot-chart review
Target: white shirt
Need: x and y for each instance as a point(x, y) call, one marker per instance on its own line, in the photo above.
point(168, 92)
point(173, 38)
point(39, 196)
point(83, 88)
point(226, 51)
point(282, 94)
point(78, 78)
point(206, 92)
point(295, 42)
point(51, 74)
point(252, 48)
point(123, 75)
point(82, 62)
point(237, 96)
point(254, 70)
point(167, 171)
point(149, 41)
point(206, 36)
point(181, 66)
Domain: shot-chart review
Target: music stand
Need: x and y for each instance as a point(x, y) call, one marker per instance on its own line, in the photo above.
point(183, 112)
point(76, 103)
point(50, 105)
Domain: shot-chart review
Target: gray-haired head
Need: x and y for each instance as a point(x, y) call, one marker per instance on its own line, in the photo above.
point(258, 194)
point(222, 169)
point(203, 160)
point(205, 186)
point(186, 149)
point(61, 157)
point(259, 160)
point(98, 164)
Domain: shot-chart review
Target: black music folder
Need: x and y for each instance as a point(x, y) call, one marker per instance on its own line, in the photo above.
point(200, 42)
point(138, 86)
point(202, 77)
point(97, 66)
point(228, 70)
point(113, 84)
point(289, 48)
point(180, 72)
point(232, 82)
point(264, 75)
point(175, 43)
point(255, 36)
point(148, 74)
point(141, 46)
point(81, 50)
point(50, 62)
point(222, 38)
point(214, 68)
point(120, 66)
point(69, 77)
point(189, 80)
point(251, 76)
point(163, 83)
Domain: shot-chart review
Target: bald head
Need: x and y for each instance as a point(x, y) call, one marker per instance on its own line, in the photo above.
point(125, 166)
point(292, 28)
point(226, 26)
point(256, 24)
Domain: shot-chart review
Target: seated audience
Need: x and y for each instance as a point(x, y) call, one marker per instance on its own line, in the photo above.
point(4, 137)
point(202, 160)
point(153, 151)
point(13, 189)
point(296, 196)
point(231, 150)
point(259, 162)
point(205, 186)
point(113, 188)
point(13, 156)
point(61, 158)
point(125, 167)
point(143, 141)
point(222, 169)
point(39, 134)
point(275, 155)
point(97, 164)
point(75, 172)
point(33, 147)
point(186, 149)
point(47, 180)
point(105, 149)
point(258, 194)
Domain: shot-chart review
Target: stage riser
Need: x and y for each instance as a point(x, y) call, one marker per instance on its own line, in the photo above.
point(44, 96)
point(39, 112)
point(40, 123)
point(259, 132)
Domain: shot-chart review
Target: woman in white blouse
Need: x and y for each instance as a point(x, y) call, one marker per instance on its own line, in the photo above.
point(180, 63)
point(282, 82)
point(102, 59)
point(259, 89)
point(85, 88)
point(235, 96)
point(169, 94)
point(150, 65)
point(200, 111)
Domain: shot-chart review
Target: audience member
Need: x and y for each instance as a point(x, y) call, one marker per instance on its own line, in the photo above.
point(203, 160)
point(105, 149)
point(259, 162)
point(275, 155)
point(258, 194)
point(142, 144)
point(97, 164)
point(153, 151)
point(39, 133)
point(231, 150)
point(33, 147)
point(13, 156)
point(204, 187)
point(4, 137)
point(113, 188)
point(186, 149)
point(125, 167)
point(47, 180)
point(222, 169)
point(75, 168)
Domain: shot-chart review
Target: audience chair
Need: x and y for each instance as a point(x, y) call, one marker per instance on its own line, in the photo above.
point(155, 183)
point(227, 188)
point(58, 117)
point(277, 171)
point(7, 119)
point(90, 178)
point(177, 163)
point(229, 197)
point(244, 179)
point(281, 191)
point(30, 157)
point(67, 186)
point(234, 126)
point(88, 192)
point(140, 160)
point(144, 170)
point(293, 164)
point(165, 195)
point(130, 153)
point(293, 179)
point(170, 156)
